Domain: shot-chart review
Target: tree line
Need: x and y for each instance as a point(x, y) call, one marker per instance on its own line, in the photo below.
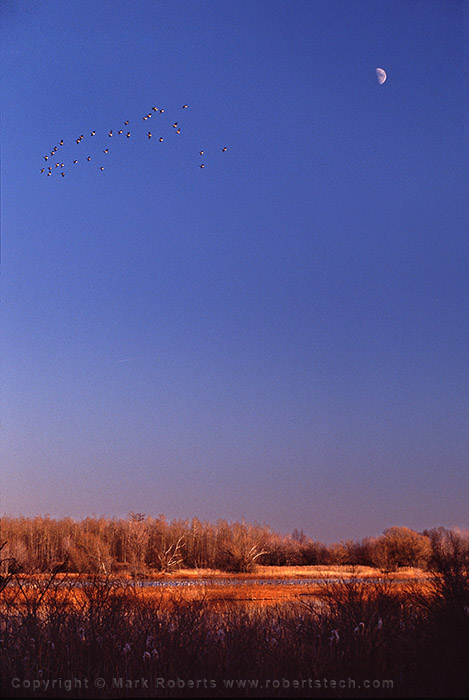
point(141, 544)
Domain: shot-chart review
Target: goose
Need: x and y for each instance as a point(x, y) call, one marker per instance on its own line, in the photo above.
point(185, 106)
point(110, 133)
point(175, 125)
point(120, 131)
point(201, 153)
point(149, 134)
point(106, 151)
point(161, 139)
point(61, 142)
point(202, 165)
point(43, 170)
point(128, 134)
point(89, 158)
point(102, 167)
point(155, 109)
point(224, 149)
point(125, 123)
point(93, 133)
point(46, 157)
point(63, 174)
point(75, 161)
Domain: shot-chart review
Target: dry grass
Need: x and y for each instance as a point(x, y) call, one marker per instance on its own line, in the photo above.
point(66, 628)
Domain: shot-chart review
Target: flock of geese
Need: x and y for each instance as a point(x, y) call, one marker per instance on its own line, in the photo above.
point(58, 167)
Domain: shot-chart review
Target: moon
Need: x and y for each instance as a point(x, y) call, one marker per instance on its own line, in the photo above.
point(381, 75)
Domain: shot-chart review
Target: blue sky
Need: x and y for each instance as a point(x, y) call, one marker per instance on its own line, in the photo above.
point(282, 335)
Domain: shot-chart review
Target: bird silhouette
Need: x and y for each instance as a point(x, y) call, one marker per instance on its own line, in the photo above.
point(161, 111)
point(61, 142)
point(46, 157)
point(125, 123)
point(93, 133)
point(110, 133)
point(43, 170)
point(149, 134)
point(175, 125)
point(155, 109)
point(128, 134)
point(106, 151)
point(202, 165)
point(185, 106)
point(101, 168)
point(224, 149)
point(120, 131)
point(89, 158)
point(75, 161)
point(63, 174)
point(161, 139)
point(201, 153)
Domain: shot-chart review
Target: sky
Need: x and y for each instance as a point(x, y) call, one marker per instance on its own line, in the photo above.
point(280, 336)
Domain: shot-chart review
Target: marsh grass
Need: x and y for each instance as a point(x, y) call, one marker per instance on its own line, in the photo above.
point(70, 628)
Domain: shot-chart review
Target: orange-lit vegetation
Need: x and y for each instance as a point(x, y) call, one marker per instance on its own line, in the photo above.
point(414, 634)
point(142, 545)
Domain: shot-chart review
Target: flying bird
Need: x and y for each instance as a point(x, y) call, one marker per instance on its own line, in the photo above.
point(46, 157)
point(149, 134)
point(106, 151)
point(178, 131)
point(120, 131)
point(202, 165)
point(63, 174)
point(175, 125)
point(89, 158)
point(110, 133)
point(75, 161)
point(43, 170)
point(161, 111)
point(61, 142)
point(125, 123)
point(128, 134)
point(224, 149)
point(101, 168)
point(161, 139)
point(201, 153)
point(93, 133)
point(185, 106)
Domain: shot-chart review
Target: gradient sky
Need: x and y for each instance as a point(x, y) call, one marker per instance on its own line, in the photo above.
point(282, 335)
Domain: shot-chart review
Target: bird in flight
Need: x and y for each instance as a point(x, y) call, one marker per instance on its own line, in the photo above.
point(137, 134)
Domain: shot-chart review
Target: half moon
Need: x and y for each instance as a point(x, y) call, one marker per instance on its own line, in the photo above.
point(381, 75)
